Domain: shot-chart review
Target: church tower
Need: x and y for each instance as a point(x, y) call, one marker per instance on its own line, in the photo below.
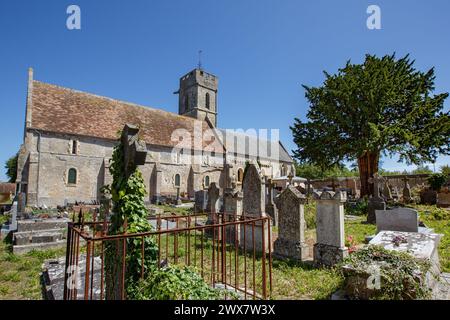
point(197, 96)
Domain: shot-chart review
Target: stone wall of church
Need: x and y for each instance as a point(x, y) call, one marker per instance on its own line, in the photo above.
point(47, 169)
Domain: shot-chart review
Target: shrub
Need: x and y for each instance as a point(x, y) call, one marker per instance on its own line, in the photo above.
point(175, 283)
point(437, 181)
point(359, 208)
point(310, 214)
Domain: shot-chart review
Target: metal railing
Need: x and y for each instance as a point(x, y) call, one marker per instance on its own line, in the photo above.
point(233, 253)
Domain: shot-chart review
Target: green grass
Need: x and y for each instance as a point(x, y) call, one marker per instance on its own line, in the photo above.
point(178, 211)
point(20, 274)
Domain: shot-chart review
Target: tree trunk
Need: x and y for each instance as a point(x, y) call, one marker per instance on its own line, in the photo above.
point(368, 165)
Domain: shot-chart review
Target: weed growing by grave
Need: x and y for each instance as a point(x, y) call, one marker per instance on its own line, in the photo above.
point(176, 283)
point(358, 208)
point(402, 277)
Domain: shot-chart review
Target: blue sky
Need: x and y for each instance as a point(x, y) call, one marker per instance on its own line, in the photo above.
point(261, 50)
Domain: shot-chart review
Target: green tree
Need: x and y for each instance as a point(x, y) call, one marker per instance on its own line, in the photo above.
point(11, 168)
point(422, 169)
point(446, 170)
point(383, 106)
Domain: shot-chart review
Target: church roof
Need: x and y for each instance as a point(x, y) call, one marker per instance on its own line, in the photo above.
point(63, 110)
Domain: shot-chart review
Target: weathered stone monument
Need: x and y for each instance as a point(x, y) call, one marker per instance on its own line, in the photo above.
point(134, 154)
point(376, 202)
point(330, 246)
point(387, 194)
point(407, 196)
point(232, 200)
point(271, 208)
point(201, 201)
point(213, 208)
point(291, 231)
point(254, 207)
point(397, 219)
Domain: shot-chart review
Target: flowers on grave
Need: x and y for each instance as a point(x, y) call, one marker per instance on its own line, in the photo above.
point(350, 243)
point(397, 240)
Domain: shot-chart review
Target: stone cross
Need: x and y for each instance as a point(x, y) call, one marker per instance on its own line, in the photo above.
point(330, 246)
point(377, 180)
point(134, 150)
point(291, 230)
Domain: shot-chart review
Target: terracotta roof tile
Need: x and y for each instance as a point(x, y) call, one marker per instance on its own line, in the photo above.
point(62, 110)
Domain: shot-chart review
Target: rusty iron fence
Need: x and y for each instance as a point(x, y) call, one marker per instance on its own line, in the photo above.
point(228, 252)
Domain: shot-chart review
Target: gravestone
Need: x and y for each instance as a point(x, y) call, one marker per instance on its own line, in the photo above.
point(291, 231)
point(134, 154)
point(387, 194)
point(407, 196)
point(271, 208)
point(254, 207)
point(376, 202)
point(397, 219)
point(232, 203)
point(443, 200)
point(201, 201)
point(330, 246)
point(213, 208)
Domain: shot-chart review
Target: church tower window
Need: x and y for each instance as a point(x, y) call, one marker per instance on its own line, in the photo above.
point(207, 182)
point(207, 102)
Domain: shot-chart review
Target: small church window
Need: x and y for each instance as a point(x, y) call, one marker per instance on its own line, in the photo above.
point(72, 176)
point(177, 180)
point(186, 103)
point(207, 182)
point(240, 175)
point(207, 101)
point(74, 146)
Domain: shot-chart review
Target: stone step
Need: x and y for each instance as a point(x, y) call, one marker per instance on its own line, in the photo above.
point(22, 249)
point(41, 224)
point(39, 236)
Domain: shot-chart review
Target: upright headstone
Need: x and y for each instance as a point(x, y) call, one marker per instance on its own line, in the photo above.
point(387, 194)
point(232, 200)
point(398, 219)
point(158, 181)
point(201, 201)
point(407, 195)
point(330, 246)
point(212, 206)
point(376, 202)
point(291, 230)
point(254, 207)
point(271, 208)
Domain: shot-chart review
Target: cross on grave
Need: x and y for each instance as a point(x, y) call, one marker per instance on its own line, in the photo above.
point(377, 181)
point(134, 150)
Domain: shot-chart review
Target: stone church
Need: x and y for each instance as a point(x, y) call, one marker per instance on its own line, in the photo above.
point(69, 138)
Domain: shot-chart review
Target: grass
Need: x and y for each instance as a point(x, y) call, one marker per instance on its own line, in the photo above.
point(20, 275)
point(178, 211)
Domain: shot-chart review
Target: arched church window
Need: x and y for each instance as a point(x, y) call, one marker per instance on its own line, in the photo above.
point(207, 102)
point(207, 182)
point(177, 180)
point(240, 175)
point(72, 176)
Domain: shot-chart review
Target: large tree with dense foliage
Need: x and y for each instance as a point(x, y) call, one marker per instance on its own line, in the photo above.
point(11, 168)
point(383, 106)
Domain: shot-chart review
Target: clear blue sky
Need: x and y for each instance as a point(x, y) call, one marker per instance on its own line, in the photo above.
point(262, 51)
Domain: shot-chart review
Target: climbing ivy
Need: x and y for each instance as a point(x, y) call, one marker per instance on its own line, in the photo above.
point(129, 215)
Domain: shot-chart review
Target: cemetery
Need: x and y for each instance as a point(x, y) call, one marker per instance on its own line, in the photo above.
point(238, 243)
